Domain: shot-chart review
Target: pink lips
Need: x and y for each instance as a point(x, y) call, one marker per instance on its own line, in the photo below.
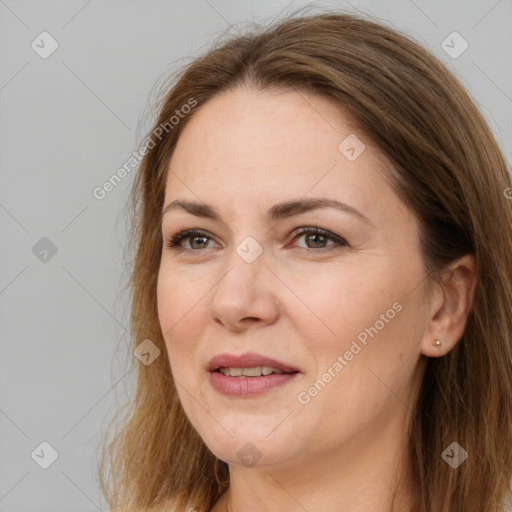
point(244, 386)
point(247, 360)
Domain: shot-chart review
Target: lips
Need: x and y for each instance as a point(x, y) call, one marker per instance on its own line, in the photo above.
point(247, 360)
point(236, 386)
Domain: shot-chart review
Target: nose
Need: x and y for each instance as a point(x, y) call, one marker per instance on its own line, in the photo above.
point(245, 295)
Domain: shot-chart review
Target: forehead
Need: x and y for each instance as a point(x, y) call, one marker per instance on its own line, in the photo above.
point(248, 119)
point(269, 136)
point(247, 149)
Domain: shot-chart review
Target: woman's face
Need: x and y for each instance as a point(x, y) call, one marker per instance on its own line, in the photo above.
point(345, 308)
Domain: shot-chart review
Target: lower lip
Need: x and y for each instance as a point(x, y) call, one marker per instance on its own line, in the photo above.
point(249, 386)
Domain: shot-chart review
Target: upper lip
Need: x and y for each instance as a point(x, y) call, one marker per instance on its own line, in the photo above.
point(247, 360)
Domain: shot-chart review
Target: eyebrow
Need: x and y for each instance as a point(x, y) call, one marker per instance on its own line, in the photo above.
point(276, 212)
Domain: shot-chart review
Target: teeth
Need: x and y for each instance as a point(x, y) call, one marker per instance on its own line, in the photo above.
point(255, 371)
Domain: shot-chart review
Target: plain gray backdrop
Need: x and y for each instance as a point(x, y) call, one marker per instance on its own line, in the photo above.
point(76, 82)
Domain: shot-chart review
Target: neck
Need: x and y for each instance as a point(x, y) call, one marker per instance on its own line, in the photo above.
point(363, 474)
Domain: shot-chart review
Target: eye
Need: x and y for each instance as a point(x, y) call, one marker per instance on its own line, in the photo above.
point(192, 234)
point(317, 235)
point(199, 239)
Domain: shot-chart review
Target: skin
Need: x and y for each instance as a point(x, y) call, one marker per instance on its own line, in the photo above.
point(303, 301)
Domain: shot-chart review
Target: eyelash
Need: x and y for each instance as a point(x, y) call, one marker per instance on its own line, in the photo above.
point(173, 241)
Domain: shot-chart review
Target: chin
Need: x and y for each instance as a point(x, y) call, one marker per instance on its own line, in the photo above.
point(250, 450)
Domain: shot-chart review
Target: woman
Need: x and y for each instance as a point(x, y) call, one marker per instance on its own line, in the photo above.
point(324, 259)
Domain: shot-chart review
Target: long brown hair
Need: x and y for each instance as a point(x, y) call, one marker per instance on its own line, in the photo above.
point(448, 169)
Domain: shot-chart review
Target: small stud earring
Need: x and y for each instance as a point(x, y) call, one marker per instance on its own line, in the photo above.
point(437, 343)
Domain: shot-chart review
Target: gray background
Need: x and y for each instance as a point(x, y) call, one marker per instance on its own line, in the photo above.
point(68, 122)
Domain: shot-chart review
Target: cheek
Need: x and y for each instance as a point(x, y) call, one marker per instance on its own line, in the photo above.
point(178, 313)
point(339, 303)
point(373, 359)
point(361, 317)
point(178, 299)
point(356, 384)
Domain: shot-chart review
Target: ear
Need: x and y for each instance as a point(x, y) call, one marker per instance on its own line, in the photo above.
point(450, 305)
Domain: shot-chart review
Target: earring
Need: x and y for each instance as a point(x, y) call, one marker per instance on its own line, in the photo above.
point(437, 343)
